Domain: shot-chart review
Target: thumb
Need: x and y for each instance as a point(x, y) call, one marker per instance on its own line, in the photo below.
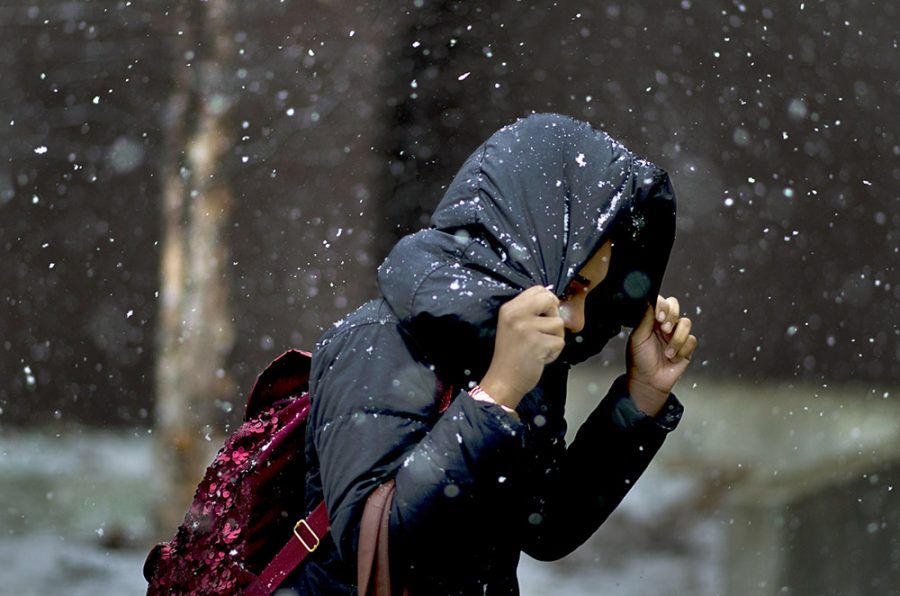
point(645, 327)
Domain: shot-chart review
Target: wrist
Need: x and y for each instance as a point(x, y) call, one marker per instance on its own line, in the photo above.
point(499, 392)
point(479, 394)
point(649, 399)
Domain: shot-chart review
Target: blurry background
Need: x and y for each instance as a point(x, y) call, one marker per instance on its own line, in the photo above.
point(189, 188)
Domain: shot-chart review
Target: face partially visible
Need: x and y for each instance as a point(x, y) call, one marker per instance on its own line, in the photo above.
point(571, 307)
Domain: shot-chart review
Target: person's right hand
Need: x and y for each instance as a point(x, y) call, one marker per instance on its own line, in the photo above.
point(530, 334)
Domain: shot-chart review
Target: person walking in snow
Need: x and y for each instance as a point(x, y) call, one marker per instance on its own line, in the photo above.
point(452, 384)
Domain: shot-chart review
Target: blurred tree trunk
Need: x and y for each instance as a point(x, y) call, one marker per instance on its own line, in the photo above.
point(196, 331)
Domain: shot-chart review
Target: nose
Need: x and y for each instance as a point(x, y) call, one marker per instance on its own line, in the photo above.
point(572, 313)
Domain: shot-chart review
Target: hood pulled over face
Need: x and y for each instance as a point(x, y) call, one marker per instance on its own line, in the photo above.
point(528, 207)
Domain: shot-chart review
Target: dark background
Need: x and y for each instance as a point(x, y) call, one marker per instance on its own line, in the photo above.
point(777, 122)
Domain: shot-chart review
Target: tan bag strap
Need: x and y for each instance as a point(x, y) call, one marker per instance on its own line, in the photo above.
point(373, 571)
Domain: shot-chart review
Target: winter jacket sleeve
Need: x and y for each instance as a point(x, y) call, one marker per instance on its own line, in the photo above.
point(469, 478)
point(582, 484)
point(375, 416)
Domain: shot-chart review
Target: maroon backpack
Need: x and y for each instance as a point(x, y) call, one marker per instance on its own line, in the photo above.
point(245, 529)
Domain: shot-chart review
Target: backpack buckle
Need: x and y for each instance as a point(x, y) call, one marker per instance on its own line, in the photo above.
point(303, 523)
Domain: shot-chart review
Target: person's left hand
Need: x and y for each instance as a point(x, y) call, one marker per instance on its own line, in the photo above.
point(659, 351)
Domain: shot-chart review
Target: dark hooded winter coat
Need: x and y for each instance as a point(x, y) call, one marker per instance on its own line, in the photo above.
point(474, 486)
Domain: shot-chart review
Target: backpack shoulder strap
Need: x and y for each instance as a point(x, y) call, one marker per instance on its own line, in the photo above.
point(307, 534)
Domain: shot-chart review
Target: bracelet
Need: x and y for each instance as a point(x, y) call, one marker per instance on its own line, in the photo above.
point(481, 395)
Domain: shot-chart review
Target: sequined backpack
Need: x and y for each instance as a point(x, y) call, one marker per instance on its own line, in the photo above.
point(245, 530)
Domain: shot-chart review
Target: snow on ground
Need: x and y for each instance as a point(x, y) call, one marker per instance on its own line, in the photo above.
point(43, 564)
point(70, 500)
point(74, 519)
